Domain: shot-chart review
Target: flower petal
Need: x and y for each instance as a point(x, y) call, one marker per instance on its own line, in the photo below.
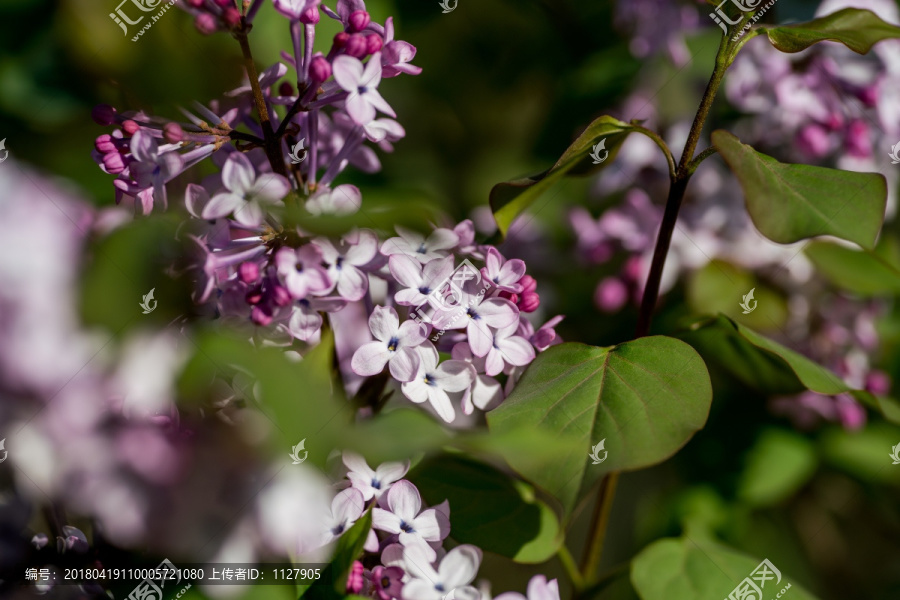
point(404, 500)
point(348, 505)
point(404, 364)
point(370, 359)
point(238, 174)
point(348, 72)
point(460, 566)
point(221, 205)
point(384, 323)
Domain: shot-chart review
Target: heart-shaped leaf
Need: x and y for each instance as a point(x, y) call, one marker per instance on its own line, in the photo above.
point(856, 28)
point(792, 202)
point(643, 399)
point(868, 273)
point(687, 569)
point(511, 198)
point(503, 517)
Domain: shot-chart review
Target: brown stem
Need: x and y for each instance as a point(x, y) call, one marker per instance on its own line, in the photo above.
point(599, 521)
point(272, 142)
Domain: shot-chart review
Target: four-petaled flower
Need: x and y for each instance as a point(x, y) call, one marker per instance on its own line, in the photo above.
point(419, 280)
point(431, 381)
point(395, 346)
point(246, 193)
point(418, 246)
point(302, 272)
point(504, 274)
point(405, 518)
point(153, 169)
point(361, 83)
point(507, 348)
point(454, 574)
point(355, 250)
point(538, 589)
point(372, 484)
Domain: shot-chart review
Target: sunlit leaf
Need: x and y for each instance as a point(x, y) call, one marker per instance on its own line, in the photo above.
point(858, 29)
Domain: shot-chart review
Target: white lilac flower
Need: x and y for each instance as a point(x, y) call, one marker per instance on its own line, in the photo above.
point(361, 82)
point(354, 250)
point(342, 200)
point(372, 483)
point(247, 194)
point(477, 316)
point(423, 249)
point(508, 348)
point(504, 274)
point(453, 575)
point(404, 517)
point(301, 271)
point(485, 392)
point(538, 589)
point(418, 280)
point(154, 166)
point(432, 382)
point(395, 346)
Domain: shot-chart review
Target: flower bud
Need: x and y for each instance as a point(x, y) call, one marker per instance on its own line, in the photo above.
point(610, 295)
point(373, 43)
point(206, 24)
point(130, 127)
point(104, 144)
point(340, 40)
point(281, 296)
point(310, 15)
point(356, 46)
point(104, 114)
point(260, 316)
point(358, 20)
point(528, 284)
point(225, 3)
point(173, 133)
point(319, 69)
point(529, 302)
point(356, 581)
point(114, 163)
point(285, 89)
point(248, 272)
point(232, 17)
point(196, 3)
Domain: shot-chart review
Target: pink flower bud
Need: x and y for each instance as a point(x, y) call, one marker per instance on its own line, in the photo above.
point(104, 144)
point(310, 15)
point(248, 272)
point(813, 141)
point(173, 133)
point(114, 163)
point(206, 24)
point(196, 3)
point(373, 43)
point(130, 127)
point(355, 581)
point(319, 69)
point(356, 46)
point(528, 284)
point(104, 114)
point(232, 17)
point(225, 3)
point(340, 40)
point(358, 20)
point(254, 296)
point(878, 383)
point(281, 296)
point(529, 302)
point(511, 296)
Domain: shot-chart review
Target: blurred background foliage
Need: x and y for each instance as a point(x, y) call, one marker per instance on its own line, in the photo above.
point(507, 84)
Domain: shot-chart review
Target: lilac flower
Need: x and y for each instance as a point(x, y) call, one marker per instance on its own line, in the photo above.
point(356, 250)
point(508, 348)
point(301, 271)
point(504, 274)
point(388, 582)
point(342, 200)
point(477, 315)
point(396, 55)
point(416, 245)
point(306, 321)
point(454, 574)
point(485, 392)
point(405, 518)
point(295, 9)
point(372, 484)
point(538, 589)
point(152, 168)
point(247, 193)
point(419, 280)
point(362, 85)
point(395, 346)
point(432, 382)
point(346, 507)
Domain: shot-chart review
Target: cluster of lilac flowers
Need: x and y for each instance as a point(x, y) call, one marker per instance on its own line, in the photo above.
point(404, 554)
point(825, 105)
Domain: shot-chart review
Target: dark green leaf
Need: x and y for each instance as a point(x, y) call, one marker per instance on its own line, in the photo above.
point(868, 273)
point(488, 509)
point(858, 29)
point(720, 286)
point(779, 464)
point(688, 569)
point(511, 198)
point(645, 398)
point(789, 203)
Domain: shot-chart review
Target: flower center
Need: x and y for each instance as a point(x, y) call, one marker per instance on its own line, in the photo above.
point(362, 89)
point(392, 345)
point(376, 484)
point(298, 267)
point(406, 527)
point(429, 380)
point(472, 314)
point(424, 290)
point(339, 262)
point(385, 582)
point(338, 529)
point(422, 249)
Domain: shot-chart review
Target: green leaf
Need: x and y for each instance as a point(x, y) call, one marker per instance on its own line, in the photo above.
point(489, 509)
point(511, 198)
point(687, 569)
point(868, 273)
point(719, 287)
point(856, 28)
point(396, 435)
point(349, 548)
point(645, 398)
point(778, 465)
point(863, 454)
point(789, 203)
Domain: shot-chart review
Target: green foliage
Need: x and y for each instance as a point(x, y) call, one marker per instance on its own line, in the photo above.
point(511, 198)
point(858, 29)
point(789, 203)
point(713, 289)
point(778, 464)
point(865, 272)
point(646, 398)
point(490, 510)
point(688, 569)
